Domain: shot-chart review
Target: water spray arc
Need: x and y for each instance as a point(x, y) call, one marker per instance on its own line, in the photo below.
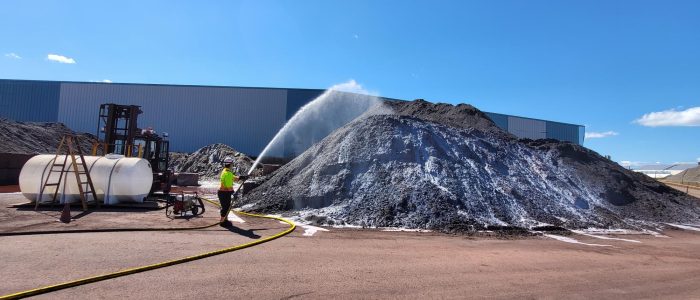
point(336, 107)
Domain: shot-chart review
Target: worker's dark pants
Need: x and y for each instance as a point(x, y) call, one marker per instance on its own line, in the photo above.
point(225, 200)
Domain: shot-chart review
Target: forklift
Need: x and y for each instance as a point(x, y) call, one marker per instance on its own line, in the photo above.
point(118, 133)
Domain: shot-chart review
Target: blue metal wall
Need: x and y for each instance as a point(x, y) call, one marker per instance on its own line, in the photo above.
point(194, 116)
point(538, 129)
point(500, 120)
point(527, 128)
point(23, 100)
point(565, 132)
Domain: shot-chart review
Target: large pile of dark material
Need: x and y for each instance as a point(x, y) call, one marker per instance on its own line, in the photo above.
point(460, 116)
point(36, 137)
point(207, 161)
point(450, 168)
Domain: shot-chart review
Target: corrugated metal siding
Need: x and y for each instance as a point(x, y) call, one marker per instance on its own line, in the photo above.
point(527, 128)
point(500, 120)
point(563, 132)
point(532, 128)
point(35, 101)
point(244, 118)
point(195, 116)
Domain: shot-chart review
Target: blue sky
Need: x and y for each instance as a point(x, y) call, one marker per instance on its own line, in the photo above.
point(603, 64)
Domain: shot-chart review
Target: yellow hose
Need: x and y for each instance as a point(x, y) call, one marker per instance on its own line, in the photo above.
point(74, 283)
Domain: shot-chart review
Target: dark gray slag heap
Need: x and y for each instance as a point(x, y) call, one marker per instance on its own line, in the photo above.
point(460, 116)
point(37, 137)
point(207, 161)
point(445, 167)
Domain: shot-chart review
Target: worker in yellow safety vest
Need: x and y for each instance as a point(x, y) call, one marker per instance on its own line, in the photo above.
point(226, 189)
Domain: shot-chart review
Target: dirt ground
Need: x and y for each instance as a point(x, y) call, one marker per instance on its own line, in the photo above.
point(339, 263)
point(693, 191)
point(9, 188)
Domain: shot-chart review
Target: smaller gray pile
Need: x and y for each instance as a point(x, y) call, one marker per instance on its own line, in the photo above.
point(689, 176)
point(207, 160)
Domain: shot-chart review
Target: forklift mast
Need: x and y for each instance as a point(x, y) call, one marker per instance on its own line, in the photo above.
point(117, 126)
point(118, 133)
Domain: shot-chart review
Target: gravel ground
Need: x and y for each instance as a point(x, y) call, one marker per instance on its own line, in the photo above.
point(349, 263)
point(18, 215)
point(693, 191)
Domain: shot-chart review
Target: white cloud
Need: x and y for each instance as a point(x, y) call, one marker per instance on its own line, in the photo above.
point(671, 117)
point(106, 81)
point(60, 59)
point(351, 86)
point(600, 135)
point(12, 55)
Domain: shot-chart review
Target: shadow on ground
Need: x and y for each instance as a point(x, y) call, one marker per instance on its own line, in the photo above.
point(250, 233)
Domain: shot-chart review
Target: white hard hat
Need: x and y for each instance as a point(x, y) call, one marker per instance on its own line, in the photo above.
point(228, 160)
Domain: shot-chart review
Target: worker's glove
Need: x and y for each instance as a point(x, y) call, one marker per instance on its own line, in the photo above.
point(243, 177)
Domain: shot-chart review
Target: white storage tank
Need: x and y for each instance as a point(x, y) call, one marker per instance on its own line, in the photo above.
point(116, 179)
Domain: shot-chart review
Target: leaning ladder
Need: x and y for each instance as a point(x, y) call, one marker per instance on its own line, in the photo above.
point(85, 186)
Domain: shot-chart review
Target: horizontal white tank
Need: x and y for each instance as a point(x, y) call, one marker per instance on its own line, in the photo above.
point(116, 179)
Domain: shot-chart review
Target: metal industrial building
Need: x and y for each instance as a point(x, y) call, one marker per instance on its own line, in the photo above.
point(244, 117)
